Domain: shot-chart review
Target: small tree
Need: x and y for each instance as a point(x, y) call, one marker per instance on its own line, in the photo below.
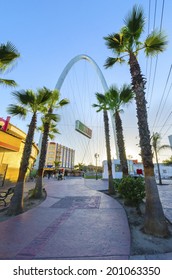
point(28, 102)
point(103, 106)
point(54, 103)
point(116, 98)
point(155, 139)
point(168, 161)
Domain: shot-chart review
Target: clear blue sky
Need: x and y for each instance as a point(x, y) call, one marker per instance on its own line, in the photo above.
point(49, 33)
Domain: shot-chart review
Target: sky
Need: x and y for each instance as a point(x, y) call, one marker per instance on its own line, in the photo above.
point(49, 33)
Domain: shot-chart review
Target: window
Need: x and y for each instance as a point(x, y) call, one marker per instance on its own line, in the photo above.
point(118, 168)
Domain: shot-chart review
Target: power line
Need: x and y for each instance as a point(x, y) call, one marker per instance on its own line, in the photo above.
point(166, 121)
point(162, 14)
point(156, 117)
point(156, 62)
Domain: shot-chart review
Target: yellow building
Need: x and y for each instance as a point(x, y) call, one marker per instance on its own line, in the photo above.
point(12, 141)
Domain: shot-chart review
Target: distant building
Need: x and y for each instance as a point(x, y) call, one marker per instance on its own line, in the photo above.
point(135, 168)
point(58, 153)
point(116, 169)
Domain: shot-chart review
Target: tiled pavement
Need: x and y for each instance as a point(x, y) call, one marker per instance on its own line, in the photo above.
point(74, 222)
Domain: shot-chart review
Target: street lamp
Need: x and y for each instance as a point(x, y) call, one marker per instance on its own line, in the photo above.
point(96, 157)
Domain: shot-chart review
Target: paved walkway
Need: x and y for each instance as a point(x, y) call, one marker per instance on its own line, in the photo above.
point(74, 222)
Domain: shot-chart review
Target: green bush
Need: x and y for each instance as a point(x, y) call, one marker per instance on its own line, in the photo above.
point(132, 190)
point(116, 183)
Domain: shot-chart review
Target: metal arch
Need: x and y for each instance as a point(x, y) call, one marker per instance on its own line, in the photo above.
point(102, 79)
point(72, 62)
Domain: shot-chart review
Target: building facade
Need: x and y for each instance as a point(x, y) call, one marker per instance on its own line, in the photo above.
point(12, 141)
point(135, 168)
point(59, 154)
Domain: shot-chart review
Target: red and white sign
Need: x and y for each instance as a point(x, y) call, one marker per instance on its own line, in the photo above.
point(4, 123)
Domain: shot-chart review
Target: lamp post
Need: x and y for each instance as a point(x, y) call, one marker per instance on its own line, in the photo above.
point(96, 157)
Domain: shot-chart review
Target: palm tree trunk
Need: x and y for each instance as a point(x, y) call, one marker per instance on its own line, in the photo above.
point(108, 151)
point(38, 191)
point(155, 222)
point(16, 204)
point(121, 144)
point(159, 174)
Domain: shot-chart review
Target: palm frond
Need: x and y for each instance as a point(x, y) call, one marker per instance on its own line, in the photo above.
point(102, 103)
point(115, 97)
point(110, 61)
point(155, 43)
point(97, 106)
point(54, 131)
point(112, 95)
point(55, 96)
point(64, 102)
point(43, 96)
point(116, 42)
point(135, 22)
point(163, 147)
point(8, 54)
point(100, 97)
point(16, 110)
point(8, 82)
point(24, 97)
point(50, 117)
point(126, 94)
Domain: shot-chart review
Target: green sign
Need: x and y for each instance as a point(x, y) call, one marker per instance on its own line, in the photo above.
point(82, 128)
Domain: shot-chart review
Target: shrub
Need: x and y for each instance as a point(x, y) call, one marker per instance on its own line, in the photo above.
point(116, 183)
point(132, 190)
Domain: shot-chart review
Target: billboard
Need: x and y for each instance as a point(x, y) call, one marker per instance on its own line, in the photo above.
point(82, 128)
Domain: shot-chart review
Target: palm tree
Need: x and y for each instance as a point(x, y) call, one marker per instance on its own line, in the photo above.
point(8, 55)
point(124, 44)
point(53, 127)
point(156, 137)
point(29, 102)
point(54, 103)
point(102, 106)
point(115, 99)
point(168, 162)
point(80, 166)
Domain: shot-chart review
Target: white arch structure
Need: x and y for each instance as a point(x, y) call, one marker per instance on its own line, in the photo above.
point(100, 75)
point(72, 62)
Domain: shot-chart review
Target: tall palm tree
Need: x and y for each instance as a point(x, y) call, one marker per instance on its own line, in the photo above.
point(29, 102)
point(115, 99)
point(156, 137)
point(125, 44)
point(102, 106)
point(8, 55)
point(49, 116)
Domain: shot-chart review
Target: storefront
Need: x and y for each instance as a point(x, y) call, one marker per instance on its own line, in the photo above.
point(12, 141)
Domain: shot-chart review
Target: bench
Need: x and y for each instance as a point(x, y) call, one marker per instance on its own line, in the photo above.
point(4, 195)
